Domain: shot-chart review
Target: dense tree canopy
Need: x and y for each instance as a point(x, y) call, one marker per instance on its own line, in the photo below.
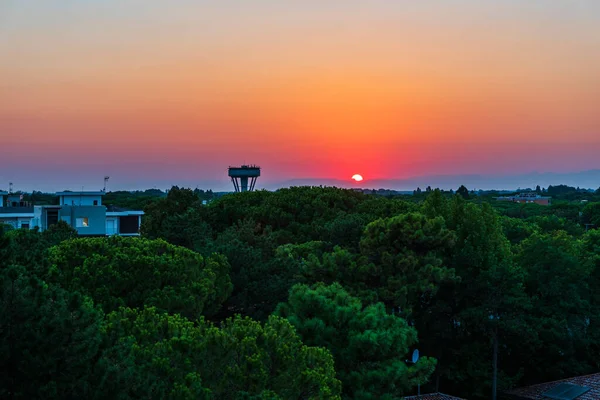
point(311, 292)
point(591, 214)
point(49, 338)
point(133, 272)
point(176, 358)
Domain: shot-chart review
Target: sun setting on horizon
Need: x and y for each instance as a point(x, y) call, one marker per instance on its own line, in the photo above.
point(357, 177)
point(301, 88)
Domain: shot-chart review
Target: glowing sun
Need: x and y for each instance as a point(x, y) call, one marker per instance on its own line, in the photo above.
point(357, 177)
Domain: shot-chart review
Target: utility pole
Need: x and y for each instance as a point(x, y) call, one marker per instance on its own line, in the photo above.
point(495, 361)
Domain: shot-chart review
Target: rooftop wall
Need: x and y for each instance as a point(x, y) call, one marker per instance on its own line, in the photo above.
point(77, 199)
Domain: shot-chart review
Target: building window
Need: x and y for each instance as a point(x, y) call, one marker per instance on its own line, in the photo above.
point(25, 225)
point(82, 222)
point(95, 202)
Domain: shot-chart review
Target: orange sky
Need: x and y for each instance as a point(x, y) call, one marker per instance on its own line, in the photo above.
point(146, 89)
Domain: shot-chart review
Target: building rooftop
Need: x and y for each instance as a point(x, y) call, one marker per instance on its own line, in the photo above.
point(585, 387)
point(432, 396)
point(3, 193)
point(114, 210)
point(117, 209)
point(524, 197)
point(80, 193)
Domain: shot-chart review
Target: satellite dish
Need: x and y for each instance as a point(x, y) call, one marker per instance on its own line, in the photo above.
point(415, 356)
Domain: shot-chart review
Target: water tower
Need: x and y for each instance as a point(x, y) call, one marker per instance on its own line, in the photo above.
point(240, 175)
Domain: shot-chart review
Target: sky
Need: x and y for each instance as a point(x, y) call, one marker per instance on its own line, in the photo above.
point(155, 93)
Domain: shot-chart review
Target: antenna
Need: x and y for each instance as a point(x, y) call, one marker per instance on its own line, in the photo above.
point(10, 186)
point(106, 178)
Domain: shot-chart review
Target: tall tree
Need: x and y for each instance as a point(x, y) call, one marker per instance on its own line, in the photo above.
point(591, 214)
point(407, 252)
point(163, 218)
point(463, 192)
point(557, 283)
point(368, 344)
point(484, 308)
point(590, 256)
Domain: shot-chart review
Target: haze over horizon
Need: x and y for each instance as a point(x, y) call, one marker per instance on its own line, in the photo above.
point(584, 179)
point(151, 93)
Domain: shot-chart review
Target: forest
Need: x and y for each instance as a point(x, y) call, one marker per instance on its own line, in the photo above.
point(304, 293)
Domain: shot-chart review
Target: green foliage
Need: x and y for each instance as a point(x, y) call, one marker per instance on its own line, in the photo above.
point(301, 212)
point(134, 272)
point(368, 344)
point(591, 214)
point(28, 247)
point(58, 233)
point(241, 359)
point(39, 198)
point(517, 230)
point(471, 283)
point(590, 254)
point(557, 283)
point(165, 218)
point(483, 307)
point(249, 250)
point(49, 338)
point(399, 263)
point(560, 190)
point(137, 200)
point(463, 192)
point(552, 223)
point(248, 227)
point(6, 227)
point(345, 230)
point(406, 251)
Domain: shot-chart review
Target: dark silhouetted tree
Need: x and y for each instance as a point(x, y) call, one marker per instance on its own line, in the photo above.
point(463, 192)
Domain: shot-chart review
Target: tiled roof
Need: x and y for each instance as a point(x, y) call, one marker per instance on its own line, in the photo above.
point(432, 396)
point(535, 391)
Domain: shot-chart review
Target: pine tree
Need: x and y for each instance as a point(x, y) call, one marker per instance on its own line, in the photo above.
point(368, 344)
